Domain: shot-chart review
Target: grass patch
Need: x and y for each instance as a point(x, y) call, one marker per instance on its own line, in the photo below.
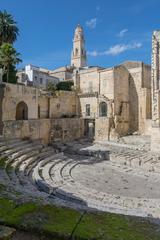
point(3, 162)
point(59, 222)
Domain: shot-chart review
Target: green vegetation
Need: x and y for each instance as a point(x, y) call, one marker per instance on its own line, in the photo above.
point(8, 59)
point(12, 78)
point(8, 55)
point(59, 222)
point(8, 29)
point(51, 87)
point(65, 85)
point(3, 162)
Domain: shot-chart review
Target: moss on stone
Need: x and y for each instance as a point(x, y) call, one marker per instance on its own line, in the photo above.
point(59, 221)
point(3, 162)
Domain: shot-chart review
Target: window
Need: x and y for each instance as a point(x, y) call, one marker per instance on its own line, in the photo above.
point(88, 110)
point(102, 109)
point(76, 51)
point(104, 83)
point(39, 112)
point(90, 87)
point(41, 80)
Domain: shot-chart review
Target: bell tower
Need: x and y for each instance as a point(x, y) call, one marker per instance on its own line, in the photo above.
point(79, 58)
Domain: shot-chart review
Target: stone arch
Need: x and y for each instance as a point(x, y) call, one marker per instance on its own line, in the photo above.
point(103, 109)
point(22, 111)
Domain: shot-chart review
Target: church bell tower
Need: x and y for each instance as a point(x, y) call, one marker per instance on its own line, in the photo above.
point(79, 58)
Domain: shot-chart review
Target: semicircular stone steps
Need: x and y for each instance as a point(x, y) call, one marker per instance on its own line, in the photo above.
point(11, 147)
point(14, 148)
point(19, 156)
point(63, 185)
point(25, 168)
point(37, 175)
point(41, 171)
point(26, 164)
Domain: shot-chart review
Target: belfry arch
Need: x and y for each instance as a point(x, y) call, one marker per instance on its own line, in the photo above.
point(22, 111)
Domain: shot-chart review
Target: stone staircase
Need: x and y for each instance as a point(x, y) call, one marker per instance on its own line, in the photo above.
point(44, 171)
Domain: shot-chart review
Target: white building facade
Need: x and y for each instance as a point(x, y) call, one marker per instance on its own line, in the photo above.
point(36, 76)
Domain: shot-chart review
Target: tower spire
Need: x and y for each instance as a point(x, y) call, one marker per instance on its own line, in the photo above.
point(78, 58)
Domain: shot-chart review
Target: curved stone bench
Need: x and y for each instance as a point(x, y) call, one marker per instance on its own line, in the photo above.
point(28, 162)
point(29, 168)
point(38, 180)
point(72, 191)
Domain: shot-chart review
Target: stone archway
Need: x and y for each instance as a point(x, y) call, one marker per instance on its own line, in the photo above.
point(22, 111)
point(103, 109)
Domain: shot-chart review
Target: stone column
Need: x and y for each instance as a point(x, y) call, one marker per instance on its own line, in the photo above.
point(155, 86)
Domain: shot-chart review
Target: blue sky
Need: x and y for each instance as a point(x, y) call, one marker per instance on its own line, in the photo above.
point(115, 31)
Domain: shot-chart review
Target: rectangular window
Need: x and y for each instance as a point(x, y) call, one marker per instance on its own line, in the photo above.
point(88, 110)
point(104, 83)
point(41, 80)
point(90, 87)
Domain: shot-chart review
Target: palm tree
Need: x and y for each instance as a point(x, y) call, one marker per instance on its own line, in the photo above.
point(8, 57)
point(8, 29)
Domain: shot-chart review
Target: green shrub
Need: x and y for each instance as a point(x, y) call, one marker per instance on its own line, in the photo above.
point(65, 85)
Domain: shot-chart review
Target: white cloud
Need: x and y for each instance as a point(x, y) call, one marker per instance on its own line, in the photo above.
point(91, 23)
point(116, 49)
point(122, 32)
point(120, 48)
point(93, 53)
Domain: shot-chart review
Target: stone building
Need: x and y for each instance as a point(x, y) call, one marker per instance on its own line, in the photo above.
point(105, 103)
point(113, 101)
point(155, 132)
point(36, 77)
point(29, 112)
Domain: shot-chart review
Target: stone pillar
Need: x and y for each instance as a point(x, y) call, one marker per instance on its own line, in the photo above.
point(155, 85)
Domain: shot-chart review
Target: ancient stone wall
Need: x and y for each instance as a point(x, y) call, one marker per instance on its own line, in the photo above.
point(89, 80)
point(121, 101)
point(14, 94)
point(91, 100)
point(155, 84)
point(46, 130)
point(43, 106)
point(107, 83)
point(102, 129)
point(67, 129)
point(64, 104)
point(33, 129)
point(144, 109)
point(139, 95)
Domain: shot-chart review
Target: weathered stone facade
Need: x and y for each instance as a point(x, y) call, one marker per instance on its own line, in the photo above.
point(40, 114)
point(155, 142)
point(109, 102)
point(126, 91)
